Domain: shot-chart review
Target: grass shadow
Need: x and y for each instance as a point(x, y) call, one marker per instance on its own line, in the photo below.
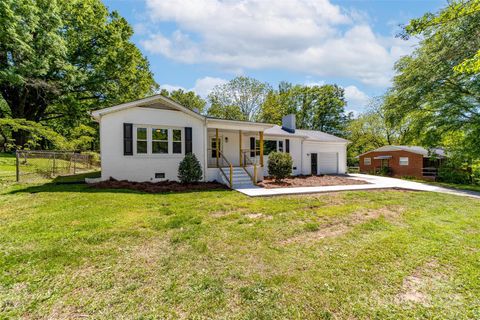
point(83, 187)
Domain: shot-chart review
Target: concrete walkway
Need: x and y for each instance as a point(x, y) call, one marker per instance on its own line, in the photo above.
point(376, 182)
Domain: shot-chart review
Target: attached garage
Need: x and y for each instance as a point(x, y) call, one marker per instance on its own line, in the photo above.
point(324, 157)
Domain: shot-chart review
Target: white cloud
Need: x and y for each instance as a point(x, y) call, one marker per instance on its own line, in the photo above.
point(311, 36)
point(356, 98)
point(202, 87)
point(205, 85)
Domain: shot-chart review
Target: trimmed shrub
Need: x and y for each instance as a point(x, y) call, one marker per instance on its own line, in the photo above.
point(279, 165)
point(189, 170)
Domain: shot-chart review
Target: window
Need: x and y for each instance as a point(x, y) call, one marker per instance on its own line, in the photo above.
point(269, 146)
point(214, 146)
point(280, 146)
point(367, 161)
point(141, 140)
point(403, 161)
point(159, 140)
point(177, 141)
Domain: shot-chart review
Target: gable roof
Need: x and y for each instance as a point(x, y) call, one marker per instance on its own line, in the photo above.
point(310, 135)
point(414, 149)
point(151, 101)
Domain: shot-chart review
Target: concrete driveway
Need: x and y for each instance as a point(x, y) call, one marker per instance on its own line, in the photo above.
point(376, 182)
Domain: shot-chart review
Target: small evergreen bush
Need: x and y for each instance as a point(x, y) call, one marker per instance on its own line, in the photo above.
point(189, 170)
point(279, 165)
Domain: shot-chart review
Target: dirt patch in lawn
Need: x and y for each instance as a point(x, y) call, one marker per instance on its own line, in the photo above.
point(309, 181)
point(157, 187)
point(416, 288)
point(340, 227)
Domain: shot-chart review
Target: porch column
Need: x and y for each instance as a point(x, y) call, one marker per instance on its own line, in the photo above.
point(261, 148)
point(240, 146)
point(217, 151)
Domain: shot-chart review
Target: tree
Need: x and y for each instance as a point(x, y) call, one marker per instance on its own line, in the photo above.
point(60, 59)
point(372, 129)
point(37, 134)
point(429, 93)
point(278, 104)
point(448, 17)
point(316, 107)
point(188, 99)
point(246, 94)
point(225, 112)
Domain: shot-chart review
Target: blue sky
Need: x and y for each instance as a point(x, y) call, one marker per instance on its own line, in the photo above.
point(197, 44)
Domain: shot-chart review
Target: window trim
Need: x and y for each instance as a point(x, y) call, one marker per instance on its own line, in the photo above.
point(167, 141)
point(403, 164)
point(135, 140)
point(181, 141)
point(150, 140)
point(365, 161)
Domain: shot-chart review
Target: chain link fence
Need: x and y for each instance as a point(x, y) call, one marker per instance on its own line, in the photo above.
point(37, 165)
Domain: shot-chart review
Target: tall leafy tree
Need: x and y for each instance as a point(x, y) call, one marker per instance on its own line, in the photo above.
point(372, 129)
point(429, 91)
point(277, 104)
point(448, 17)
point(188, 99)
point(246, 94)
point(60, 59)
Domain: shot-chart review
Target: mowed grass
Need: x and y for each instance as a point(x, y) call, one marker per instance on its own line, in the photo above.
point(69, 251)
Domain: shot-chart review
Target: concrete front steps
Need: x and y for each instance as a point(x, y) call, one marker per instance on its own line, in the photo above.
point(240, 178)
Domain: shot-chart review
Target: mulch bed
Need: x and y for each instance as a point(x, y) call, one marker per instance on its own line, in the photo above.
point(158, 187)
point(309, 181)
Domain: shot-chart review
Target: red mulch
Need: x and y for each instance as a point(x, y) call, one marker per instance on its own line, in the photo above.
point(309, 181)
point(157, 187)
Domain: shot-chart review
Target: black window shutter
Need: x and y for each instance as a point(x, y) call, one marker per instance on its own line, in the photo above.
point(252, 146)
point(287, 145)
point(127, 139)
point(188, 140)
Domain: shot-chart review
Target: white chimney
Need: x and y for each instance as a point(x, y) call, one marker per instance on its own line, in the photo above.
point(288, 123)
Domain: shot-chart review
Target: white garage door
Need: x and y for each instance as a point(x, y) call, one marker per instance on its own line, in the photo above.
point(327, 162)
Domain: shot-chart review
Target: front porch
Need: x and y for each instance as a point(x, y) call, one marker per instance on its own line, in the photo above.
point(235, 151)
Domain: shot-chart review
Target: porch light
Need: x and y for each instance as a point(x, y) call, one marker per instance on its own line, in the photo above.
point(226, 139)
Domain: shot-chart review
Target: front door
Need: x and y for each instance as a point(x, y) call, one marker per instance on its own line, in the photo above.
point(212, 151)
point(314, 163)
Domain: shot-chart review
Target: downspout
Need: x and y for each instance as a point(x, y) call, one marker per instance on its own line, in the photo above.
point(205, 151)
point(301, 156)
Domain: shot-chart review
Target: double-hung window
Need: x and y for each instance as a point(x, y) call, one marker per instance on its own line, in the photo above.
point(176, 141)
point(280, 146)
point(159, 140)
point(367, 161)
point(142, 140)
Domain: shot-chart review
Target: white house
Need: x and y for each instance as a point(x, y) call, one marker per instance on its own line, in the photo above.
point(145, 140)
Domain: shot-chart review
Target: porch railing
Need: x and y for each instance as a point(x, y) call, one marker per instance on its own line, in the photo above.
point(224, 160)
point(248, 161)
point(430, 172)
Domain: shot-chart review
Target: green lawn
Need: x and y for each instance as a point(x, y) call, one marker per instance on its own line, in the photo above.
point(471, 187)
point(7, 168)
point(36, 170)
point(71, 251)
